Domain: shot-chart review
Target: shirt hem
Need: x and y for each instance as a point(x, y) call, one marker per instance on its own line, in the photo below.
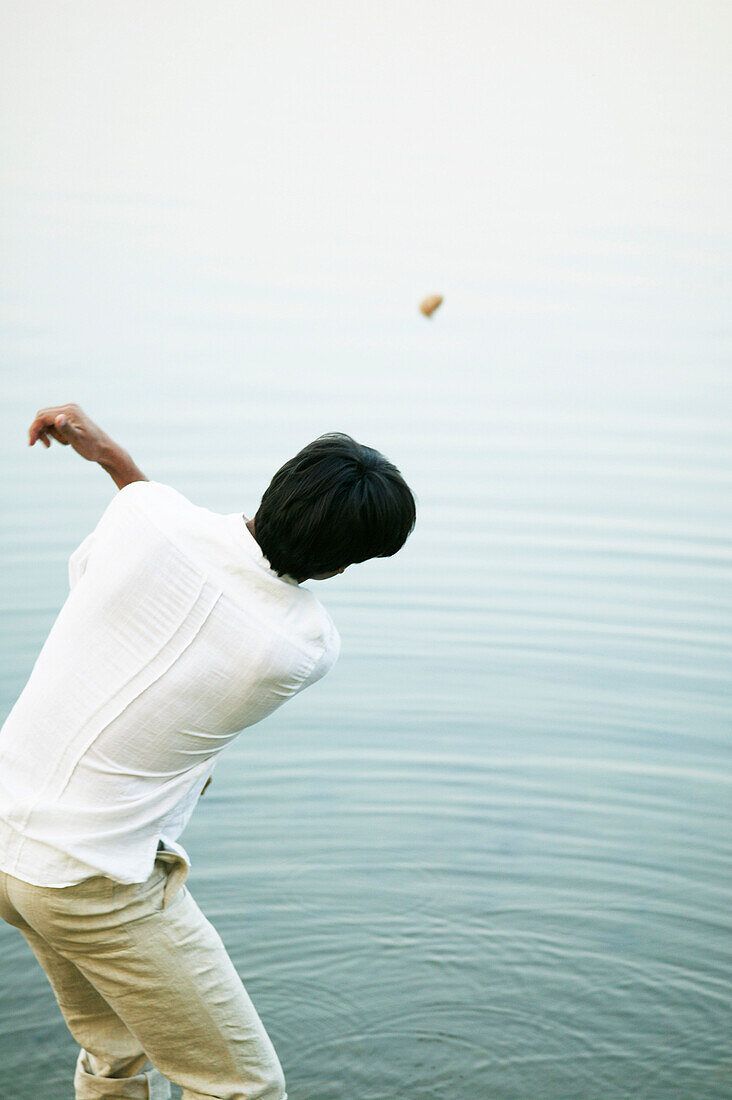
point(18, 867)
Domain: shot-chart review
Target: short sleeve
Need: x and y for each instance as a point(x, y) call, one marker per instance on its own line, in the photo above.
point(79, 559)
point(327, 659)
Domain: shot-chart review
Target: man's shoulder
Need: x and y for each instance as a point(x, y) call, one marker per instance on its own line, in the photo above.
point(328, 641)
point(324, 632)
point(140, 518)
point(220, 546)
point(161, 505)
point(150, 494)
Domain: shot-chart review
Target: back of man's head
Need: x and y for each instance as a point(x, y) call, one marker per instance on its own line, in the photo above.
point(335, 503)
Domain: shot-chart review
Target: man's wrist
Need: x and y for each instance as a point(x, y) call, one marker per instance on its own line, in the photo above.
point(109, 454)
point(118, 464)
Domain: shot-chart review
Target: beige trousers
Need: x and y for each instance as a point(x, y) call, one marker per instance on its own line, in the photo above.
point(147, 989)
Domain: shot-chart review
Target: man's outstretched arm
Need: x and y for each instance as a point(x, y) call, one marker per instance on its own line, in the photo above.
point(69, 425)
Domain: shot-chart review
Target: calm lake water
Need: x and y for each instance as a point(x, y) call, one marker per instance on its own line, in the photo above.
point(489, 855)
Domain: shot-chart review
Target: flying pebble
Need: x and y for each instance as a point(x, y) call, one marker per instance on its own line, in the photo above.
point(430, 304)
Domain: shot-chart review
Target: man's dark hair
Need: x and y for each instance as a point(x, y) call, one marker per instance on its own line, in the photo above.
point(335, 503)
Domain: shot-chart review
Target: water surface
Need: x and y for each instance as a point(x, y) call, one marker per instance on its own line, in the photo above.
point(489, 854)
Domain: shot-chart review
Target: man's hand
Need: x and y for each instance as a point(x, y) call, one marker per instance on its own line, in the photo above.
point(69, 425)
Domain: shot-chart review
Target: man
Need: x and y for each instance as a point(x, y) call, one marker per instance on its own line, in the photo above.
point(181, 628)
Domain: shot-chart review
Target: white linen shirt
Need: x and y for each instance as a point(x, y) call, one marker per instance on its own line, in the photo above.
point(175, 636)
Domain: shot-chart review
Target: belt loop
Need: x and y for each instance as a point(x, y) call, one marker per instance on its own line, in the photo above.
point(176, 871)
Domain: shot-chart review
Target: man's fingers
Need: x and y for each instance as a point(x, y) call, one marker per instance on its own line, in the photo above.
point(67, 424)
point(51, 423)
point(43, 420)
point(63, 429)
point(35, 430)
point(38, 431)
point(40, 424)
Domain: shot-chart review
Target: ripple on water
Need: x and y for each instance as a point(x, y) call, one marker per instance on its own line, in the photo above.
point(506, 924)
point(495, 860)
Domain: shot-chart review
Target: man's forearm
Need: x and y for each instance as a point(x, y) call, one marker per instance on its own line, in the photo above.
point(119, 465)
point(70, 426)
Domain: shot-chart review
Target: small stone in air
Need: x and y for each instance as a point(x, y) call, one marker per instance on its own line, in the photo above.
point(430, 304)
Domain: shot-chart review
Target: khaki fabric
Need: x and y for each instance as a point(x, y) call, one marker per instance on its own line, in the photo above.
point(146, 987)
